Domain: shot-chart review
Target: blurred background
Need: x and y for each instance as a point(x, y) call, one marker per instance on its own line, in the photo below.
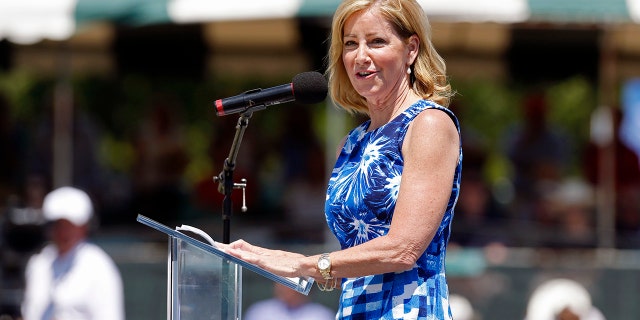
point(115, 97)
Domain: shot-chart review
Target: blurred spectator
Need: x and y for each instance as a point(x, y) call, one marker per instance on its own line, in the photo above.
point(288, 304)
point(479, 219)
point(627, 183)
point(71, 278)
point(461, 308)
point(21, 235)
point(630, 123)
point(572, 207)
point(561, 299)
point(539, 154)
point(160, 163)
point(628, 218)
point(303, 179)
point(303, 200)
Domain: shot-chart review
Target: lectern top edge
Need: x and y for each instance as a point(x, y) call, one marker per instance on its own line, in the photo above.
point(299, 284)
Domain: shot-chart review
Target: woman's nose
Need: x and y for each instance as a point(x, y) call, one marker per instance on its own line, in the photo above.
point(362, 55)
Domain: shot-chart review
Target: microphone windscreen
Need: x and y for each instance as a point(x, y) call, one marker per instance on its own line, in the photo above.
point(309, 87)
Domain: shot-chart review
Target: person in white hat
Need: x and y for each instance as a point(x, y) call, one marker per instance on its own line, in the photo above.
point(560, 299)
point(71, 278)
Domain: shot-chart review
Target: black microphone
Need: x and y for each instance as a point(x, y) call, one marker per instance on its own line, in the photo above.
point(305, 88)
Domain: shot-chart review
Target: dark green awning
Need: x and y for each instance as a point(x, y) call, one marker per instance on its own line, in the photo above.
point(27, 21)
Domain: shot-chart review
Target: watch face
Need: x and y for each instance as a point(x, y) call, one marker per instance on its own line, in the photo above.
point(323, 264)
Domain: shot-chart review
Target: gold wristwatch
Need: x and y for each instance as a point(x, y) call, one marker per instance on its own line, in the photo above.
point(324, 266)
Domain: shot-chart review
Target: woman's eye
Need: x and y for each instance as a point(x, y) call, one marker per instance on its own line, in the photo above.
point(349, 43)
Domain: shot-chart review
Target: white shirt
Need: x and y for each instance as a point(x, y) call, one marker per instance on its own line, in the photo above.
point(274, 309)
point(85, 284)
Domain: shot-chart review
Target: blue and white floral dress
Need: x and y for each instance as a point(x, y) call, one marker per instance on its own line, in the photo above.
point(361, 198)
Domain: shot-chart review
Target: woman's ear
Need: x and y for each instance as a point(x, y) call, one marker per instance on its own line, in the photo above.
point(413, 45)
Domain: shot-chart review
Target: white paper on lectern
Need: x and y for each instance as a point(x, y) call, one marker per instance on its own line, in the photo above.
point(198, 232)
point(301, 285)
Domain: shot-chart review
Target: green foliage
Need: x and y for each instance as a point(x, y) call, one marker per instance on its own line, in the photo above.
point(25, 93)
point(119, 155)
point(486, 108)
point(571, 103)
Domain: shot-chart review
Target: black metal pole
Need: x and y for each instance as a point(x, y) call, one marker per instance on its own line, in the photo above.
point(225, 178)
point(227, 204)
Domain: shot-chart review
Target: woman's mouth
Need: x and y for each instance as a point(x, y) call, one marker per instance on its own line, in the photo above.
point(364, 74)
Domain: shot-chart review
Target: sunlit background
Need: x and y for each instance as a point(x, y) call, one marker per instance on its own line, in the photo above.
point(115, 97)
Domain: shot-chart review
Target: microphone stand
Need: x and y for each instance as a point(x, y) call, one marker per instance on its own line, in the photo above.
point(226, 186)
point(225, 178)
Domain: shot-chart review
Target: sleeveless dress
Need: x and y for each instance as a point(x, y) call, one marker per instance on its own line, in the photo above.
point(361, 198)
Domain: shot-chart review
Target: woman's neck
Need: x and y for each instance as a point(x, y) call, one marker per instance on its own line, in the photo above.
point(383, 112)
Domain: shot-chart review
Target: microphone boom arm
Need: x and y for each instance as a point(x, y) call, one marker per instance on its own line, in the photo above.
point(225, 178)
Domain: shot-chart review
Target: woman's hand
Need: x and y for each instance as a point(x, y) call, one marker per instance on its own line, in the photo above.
point(282, 263)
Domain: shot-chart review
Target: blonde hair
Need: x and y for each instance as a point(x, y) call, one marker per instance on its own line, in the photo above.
point(407, 18)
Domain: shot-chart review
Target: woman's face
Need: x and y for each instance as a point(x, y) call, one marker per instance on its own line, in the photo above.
point(375, 57)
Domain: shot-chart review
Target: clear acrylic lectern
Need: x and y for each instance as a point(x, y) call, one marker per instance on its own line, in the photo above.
point(206, 283)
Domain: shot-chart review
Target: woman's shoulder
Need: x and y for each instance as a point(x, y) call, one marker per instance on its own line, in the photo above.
point(432, 113)
point(433, 129)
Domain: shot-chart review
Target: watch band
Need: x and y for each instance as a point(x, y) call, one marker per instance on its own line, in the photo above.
point(326, 287)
